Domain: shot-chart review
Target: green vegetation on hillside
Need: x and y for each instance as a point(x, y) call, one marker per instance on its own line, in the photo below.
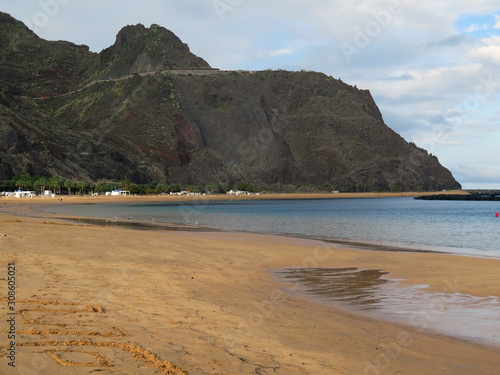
point(74, 187)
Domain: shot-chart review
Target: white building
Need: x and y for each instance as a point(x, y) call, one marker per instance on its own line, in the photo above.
point(238, 192)
point(119, 192)
point(23, 194)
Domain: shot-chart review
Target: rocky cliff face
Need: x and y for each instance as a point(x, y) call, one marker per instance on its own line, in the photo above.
point(140, 50)
point(148, 109)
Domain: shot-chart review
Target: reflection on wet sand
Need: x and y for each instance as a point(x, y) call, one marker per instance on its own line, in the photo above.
point(358, 287)
point(140, 225)
point(367, 291)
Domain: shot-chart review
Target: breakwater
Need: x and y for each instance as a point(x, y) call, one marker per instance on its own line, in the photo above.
point(474, 195)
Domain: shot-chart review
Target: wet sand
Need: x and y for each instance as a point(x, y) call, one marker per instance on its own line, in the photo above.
point(374, 294)
point(101, 299)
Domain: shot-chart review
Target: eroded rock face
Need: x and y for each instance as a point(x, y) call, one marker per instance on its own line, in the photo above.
point(131, 113)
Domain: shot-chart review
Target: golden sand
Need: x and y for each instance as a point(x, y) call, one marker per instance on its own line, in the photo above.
point(111, 300)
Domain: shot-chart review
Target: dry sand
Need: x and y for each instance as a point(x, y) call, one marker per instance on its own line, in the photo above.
point(101, 300)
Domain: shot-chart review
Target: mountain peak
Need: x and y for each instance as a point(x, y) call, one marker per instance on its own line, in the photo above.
point(129, 34)
point(138, 49)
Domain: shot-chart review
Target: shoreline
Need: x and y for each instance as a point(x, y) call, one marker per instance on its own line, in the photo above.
point(346, 243)
point(349, 243)
point(355, 243)
point(75, 199)
point(206, 303)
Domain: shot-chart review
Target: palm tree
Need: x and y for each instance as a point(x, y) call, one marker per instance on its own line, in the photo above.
point(54, 183)
point(39, 184)
point(60, 183)
point(68, 184)
point(81, 185)
point(23, 182)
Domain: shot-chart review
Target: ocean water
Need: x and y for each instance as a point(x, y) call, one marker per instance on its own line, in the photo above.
point(464, 227)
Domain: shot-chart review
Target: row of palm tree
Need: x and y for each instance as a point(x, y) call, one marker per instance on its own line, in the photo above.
point(56, 185)
point(40, 184)
point(72, 187)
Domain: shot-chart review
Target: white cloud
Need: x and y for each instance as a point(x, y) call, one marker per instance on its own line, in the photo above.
point(490, 50)
point(278, 53)
point(497, 24)
point(474, 27)
point(476, 173)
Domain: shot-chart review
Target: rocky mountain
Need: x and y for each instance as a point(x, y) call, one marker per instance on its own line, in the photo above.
point(147, 109)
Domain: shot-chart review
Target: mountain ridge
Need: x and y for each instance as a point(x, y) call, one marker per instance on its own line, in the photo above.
point(147, 109)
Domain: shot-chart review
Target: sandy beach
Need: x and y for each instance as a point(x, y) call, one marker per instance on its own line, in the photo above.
point(93, 299)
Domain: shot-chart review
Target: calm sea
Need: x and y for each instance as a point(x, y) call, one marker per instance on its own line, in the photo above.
point(464, 227)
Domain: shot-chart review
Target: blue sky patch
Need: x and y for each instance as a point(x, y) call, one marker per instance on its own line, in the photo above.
point(479, 26)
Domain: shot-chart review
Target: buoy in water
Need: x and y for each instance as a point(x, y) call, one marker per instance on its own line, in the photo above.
point(496, 215)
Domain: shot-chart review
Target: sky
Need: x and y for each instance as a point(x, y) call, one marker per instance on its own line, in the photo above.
point(431, 66)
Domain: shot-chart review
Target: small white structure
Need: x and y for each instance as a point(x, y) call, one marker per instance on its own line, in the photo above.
point(238, 192)
point(24, 194)
point(184, 192)
point(119, 192)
